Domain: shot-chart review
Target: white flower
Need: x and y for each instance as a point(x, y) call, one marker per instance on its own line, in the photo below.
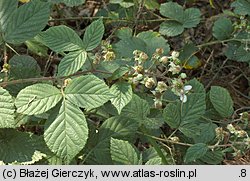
point(161, 86)
point(175, 54)
point(175, 69)
point(183, 93)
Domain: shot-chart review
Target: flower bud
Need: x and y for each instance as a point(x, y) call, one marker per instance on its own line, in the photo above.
point(175, 54)
point(149, 82)
point(158, 104)
point(109, 56)
point(161, 86)
point(159, 51)
point(164, 59)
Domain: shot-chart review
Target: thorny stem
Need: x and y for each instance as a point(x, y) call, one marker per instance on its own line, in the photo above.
point(187, 144)
point(20, 81)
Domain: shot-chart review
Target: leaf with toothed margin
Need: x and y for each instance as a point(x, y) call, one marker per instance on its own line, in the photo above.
point(37, 99)
point(66, 131)
point(88, 92)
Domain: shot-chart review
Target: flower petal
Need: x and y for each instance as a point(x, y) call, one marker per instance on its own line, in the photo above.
point(187, 88)
point(183, 98)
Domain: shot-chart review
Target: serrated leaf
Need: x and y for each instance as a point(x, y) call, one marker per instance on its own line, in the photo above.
point(154, 161)
point(36, 47)
point(223, 28)
point(221, 100)
point(191, 17)
point(171, 28)
point(27, 21)
point(70, 3)
point(116, 127)
point(171, 115)
point(124, 32)
point(195, 152)
point(7, 7)
point(153, 41)
point(197, 87)
point(93, 35)
point(37, 99)
point(66, 131)
point(123, 153)
point(172, 10)
point(207, 133)
point(126, 46)
point(88, 92)
point(194, 108)
point(238, 53)
point(22, 67)
point(19, 146)
point(122, 3)
point(72, 62)
point(179, 19)
point(190, 130)
point(7, 110)
point(137, 109)
point(242, 7)
point(61, 38)
point(123, 95)
point(119, 73)
point(213, 157)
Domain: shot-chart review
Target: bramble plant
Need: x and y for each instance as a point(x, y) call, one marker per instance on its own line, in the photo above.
point(115, 92)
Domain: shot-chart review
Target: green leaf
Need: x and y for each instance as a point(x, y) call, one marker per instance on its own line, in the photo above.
point(123, 153)
point(221, 100)
point(88, 92)
point(153, 41)
point(194, 108)
point(126, 46)
point(61, 38)
point(7, 110)
point(22, 67)
point(124, 33)
point(238, 52)
point(93, 35)
point(191, 17)
point(172, 115)
point(197, 87)
point(172, 10)
point(116, 127)
point(154, 161)
point(122, 3)
point(223, 28)
point(70, 3)
point(36, 47)
point(72, 62)
point(19, 146)
point(179, 19)
point(37, 99)
point(137, 109)
point(213, 157)
point(27, 21)
point(66, 131)
point(195, 152)
point(190, 130)
point(123, 95)
point(207, 133)
point(7, 7)
point(242, 7)
point(171, 28)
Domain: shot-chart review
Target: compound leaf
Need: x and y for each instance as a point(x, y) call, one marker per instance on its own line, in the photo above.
point(66, 131)
point(37, 99)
